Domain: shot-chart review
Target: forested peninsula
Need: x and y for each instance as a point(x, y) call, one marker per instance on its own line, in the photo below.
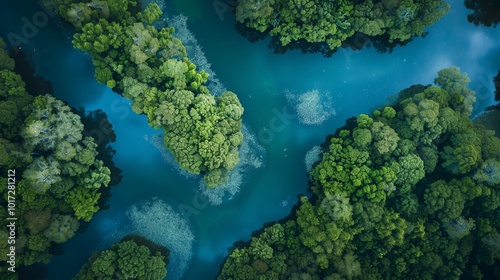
point(410, 192)
point(58, 174)
point(334, 22)
point(149, 66)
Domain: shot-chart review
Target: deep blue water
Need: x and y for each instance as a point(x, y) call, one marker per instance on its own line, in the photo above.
point(356, 81)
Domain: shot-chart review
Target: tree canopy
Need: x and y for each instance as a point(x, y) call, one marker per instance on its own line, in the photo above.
point(149, 66)
point(134, 257)
point(409, 192)
point(58, 174)
point(333, 22)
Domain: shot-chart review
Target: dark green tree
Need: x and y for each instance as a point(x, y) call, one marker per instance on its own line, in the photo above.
point(58, 178)
point(126, 260)
point(332, 23)
point(408, 193)
point(149, 66)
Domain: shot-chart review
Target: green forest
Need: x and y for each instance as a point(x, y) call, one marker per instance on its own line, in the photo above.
point(150, 67)
point(60, 174)
point(134, 257)
point(408, 192)
point(334, 22)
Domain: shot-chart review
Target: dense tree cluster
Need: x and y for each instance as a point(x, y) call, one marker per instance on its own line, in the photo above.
point(134, 257)
point(150, 67)
point(410, 192)
point(333, 22)
point(485, 12)
point(59, 180)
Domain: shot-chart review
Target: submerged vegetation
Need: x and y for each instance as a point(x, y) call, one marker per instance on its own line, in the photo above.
point(410, 192)
point(312, 156)
point(334, 22)
point(59, 177)
point(313, 107)
point(158, 222)
point(150, 67)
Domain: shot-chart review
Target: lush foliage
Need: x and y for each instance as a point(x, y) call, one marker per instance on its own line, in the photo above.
point(485, 12)
point(150, 67)
point(410, 192)
point(251, 155)
point(132, 258)
point(59, 179)
point(332, 22)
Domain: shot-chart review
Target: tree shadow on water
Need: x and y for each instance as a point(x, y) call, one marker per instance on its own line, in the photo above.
point(254, 35)
point(251, 34)
point(382, 44)
point(33, 272)
point(485, 12)
point(356, 42)
point(35, 84)
point(97, 125)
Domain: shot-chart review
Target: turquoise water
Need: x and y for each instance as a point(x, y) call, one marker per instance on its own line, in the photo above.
point(356, 81)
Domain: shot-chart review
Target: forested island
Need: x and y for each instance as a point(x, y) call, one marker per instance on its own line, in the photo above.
point(334, 22)
point(409, 192)
point(134, 257)
point(59, 176)
point(149, 66)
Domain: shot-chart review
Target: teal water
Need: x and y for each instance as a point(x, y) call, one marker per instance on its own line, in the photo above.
point(356, 81)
